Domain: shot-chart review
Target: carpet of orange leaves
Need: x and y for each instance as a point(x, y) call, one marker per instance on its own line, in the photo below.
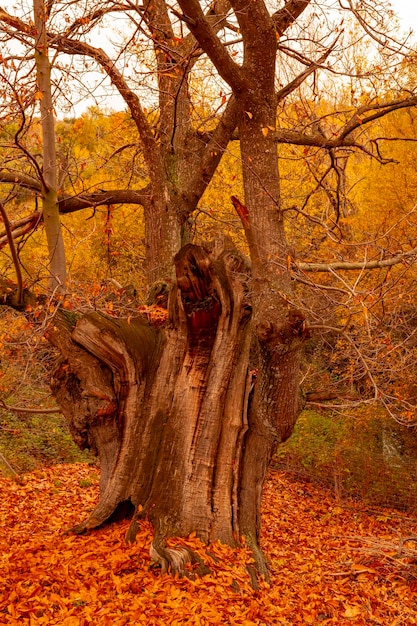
point(320, 573)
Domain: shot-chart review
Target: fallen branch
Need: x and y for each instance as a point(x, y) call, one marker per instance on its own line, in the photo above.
point(17, 409)
point(7, 464)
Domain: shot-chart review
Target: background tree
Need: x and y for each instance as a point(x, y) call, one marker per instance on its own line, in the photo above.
point(48, 171)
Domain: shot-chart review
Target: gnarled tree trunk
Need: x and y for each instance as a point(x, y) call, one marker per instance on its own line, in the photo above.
point(168, 408)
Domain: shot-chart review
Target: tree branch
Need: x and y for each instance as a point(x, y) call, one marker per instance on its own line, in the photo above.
point(298, 80)
point(200, 27)
point(20, 179)
point(16, 409)
point(284, 17)
point(103, 198)
point(213, 151)
point(381, 110)
point(77, 203)
point(342, 139)
point(71, 46)
point(16, 23)
point(18, 271)
point(356, 265)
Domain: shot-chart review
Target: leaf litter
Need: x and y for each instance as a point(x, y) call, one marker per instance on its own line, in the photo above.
point(329, 563)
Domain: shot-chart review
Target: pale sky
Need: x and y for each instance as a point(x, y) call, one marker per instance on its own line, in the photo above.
point(407, 11)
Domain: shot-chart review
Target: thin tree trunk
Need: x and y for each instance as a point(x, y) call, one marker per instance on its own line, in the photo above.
point(57, 262)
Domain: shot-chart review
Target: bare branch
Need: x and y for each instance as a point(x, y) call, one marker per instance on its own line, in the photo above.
point(13, 251)
point(381, 109)
point(103, 198)
point(71, 46)
point(26, 410)
point(357, 265)
point(298, 80)
point(76, 203)
point(25, 181)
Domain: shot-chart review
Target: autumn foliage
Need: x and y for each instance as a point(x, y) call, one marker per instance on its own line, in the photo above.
point(330, 564)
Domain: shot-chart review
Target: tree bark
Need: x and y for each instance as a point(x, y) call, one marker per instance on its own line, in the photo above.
point(50, 208)
point(166, 408)
point(171, 411)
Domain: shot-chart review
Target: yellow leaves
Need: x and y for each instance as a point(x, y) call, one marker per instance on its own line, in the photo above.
point(38, 95)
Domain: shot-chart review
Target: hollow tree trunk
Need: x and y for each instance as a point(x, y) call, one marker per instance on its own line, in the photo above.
point(167, 408)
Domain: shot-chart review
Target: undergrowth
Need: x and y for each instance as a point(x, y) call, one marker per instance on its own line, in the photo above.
point(361, 454)
point(29, 440)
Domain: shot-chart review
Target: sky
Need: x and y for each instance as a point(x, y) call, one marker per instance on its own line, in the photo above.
point(407, 11)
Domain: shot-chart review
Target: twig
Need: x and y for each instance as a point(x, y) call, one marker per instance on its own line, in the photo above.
point(6, 462)
point(16, 409)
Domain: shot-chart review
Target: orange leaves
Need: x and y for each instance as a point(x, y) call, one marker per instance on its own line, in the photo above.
point(317, 575)
point(157, 315)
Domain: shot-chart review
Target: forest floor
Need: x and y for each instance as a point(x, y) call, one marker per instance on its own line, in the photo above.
point(331, 563)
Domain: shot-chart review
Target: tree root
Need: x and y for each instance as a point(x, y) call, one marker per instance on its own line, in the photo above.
point(78, 529)
point(175, 560)
point(259, 568)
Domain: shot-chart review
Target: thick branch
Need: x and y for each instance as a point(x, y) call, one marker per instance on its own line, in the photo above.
point(213, 152)
point(13, 251)
point(77, 203)
point(102, 198)
point(200, 27)
point(285, 16)
point(21, 179)
point(16, 23)
point(357, 265)
point(22, 227)
point(342, 139)
point(360, 118)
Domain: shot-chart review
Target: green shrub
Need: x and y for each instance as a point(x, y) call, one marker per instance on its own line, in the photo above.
point(28, 441)
point(361, 454)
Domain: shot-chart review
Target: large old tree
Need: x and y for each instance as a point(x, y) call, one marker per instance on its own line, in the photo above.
point(184, 415)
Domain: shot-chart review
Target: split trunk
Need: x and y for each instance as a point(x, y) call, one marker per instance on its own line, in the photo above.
point(170, 408)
